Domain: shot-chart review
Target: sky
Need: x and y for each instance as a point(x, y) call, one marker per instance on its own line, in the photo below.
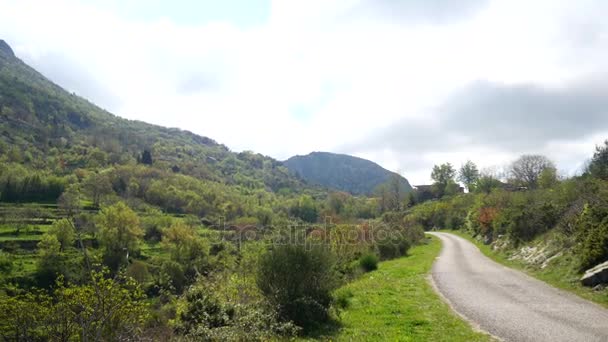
point(407, 84)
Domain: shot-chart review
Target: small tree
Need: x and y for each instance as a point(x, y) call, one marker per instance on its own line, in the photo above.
point(442, 175)
point(298, 281)
point(598, 167)
point(119, 233)
point(63, 230)
point(97, 185)
point(468, 174)
point(547, 178)
point(146, 157)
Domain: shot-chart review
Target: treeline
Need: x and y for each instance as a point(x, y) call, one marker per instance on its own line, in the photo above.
point(17, 184)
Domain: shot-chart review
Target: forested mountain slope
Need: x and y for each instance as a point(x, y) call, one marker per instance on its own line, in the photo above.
point(43, 126)
point(342, 172)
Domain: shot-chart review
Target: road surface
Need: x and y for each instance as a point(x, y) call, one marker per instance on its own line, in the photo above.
point(509, 304)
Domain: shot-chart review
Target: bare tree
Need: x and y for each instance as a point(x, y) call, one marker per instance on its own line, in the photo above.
point(526, 170)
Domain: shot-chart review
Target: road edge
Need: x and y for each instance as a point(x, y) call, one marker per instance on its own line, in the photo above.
point(429, 278)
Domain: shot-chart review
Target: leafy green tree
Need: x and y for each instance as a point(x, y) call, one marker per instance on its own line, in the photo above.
point(486, 183)
point(598, 167)
point(468, 174)
point(119, 233)
point(50, 263)
point(187, 249)
point(97, 185)
point(63, 230)
point(305, 209)
point(69, 201)
point(547, 178)
point(442, 175)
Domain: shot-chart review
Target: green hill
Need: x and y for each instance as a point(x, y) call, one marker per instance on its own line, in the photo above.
point(342, 172)
point(51, 140)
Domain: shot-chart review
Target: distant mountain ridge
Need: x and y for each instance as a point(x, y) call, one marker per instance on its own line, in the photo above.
point(342, 172)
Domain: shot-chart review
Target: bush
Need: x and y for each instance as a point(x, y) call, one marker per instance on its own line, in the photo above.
point(200, 309)
point(298, 281)
point(592, 235)
point(342, 298)
point(369, 262)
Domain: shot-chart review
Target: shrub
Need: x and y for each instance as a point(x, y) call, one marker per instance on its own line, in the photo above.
point(592, 235)
point(369, 262)
point(342, 298)
point(298, 281)
point(200, 309)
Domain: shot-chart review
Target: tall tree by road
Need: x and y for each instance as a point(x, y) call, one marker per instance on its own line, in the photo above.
point(468, 174)
point(443, 175)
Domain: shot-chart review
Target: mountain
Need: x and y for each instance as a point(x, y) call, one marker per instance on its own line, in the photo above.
point(343, 172)
point(52, 141)
point(46, 127)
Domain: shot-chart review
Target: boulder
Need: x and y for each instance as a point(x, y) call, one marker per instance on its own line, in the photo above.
point(596, 275)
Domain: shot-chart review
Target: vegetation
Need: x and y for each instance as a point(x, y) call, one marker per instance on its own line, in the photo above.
point(397, 303)
point(113, 229)
point(553, 228)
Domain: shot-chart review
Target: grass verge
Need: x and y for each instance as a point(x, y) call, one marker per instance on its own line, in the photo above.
point(560, 274)
point(397, 303)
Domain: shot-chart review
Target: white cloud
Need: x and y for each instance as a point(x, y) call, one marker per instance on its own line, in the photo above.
point(317, 75)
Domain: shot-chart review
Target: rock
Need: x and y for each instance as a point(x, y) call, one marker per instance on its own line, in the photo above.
point(6, 49)
point(596, 275)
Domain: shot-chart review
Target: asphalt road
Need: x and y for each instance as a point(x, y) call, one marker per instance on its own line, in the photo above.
point(509, 304)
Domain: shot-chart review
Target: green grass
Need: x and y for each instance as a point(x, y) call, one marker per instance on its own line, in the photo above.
point(397, 303)
point(560, 273)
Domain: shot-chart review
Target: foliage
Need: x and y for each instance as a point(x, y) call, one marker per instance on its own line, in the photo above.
point(104, 309)
point(598, 167)
point(468, 174)
point(442, 175)
point(368, 262)
point(119, 233)
point(63, 230)
point(592, 235)
point(298, 281)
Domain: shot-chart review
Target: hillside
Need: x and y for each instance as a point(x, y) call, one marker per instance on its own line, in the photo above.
point(343, 172)
point(44, 127)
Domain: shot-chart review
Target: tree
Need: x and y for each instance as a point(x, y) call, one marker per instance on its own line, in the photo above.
point(598, 167)
point(119, 233)
point(63, 230)
point(305, 209)
point(547, 178)
point(186, 248)
point(442, 175)
point(69, 201)
point(527, 169)
point(50, 263)
point(97, 185)
point(146, 157)
point(468, 174)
